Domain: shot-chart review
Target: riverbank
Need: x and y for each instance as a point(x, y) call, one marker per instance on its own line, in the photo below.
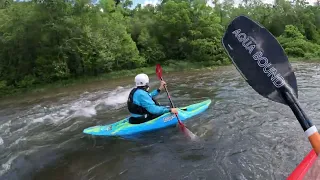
point(150, 70)
point(171, 66)
point(311, 60)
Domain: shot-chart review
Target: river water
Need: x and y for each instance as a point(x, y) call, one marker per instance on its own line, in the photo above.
point(242, 135)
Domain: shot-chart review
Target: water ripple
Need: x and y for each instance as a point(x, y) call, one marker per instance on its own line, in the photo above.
point(243, 135)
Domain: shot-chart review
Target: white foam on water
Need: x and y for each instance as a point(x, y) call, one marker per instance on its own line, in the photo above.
point(85, 112)
point(82, 107)
point(74, 126)
point(55, 114)
point(5, 167)
point(117, 97)
point(5, 128)
point(42, 119)
point(59, 114)
point(17, 141)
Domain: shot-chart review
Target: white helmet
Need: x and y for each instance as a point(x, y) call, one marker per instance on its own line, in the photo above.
point(141, 79)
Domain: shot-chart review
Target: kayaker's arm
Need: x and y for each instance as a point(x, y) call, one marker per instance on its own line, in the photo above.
point(155, 92)
point(148, 103)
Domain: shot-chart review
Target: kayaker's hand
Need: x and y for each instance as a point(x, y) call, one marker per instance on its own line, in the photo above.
point(162, 83)
point(174, 110)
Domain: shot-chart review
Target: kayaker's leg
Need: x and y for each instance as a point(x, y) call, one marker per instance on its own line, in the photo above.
point(133, 120)
point(150, 117)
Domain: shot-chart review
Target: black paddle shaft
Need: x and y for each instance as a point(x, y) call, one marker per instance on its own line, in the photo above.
point(293, 103)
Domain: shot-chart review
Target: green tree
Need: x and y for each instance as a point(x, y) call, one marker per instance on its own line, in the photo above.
point(43, 41)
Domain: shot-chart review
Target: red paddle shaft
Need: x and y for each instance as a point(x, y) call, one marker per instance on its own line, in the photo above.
point(159, 74)
point(172, 105)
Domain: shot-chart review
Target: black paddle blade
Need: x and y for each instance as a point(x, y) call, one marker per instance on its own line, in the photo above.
point(259, 58)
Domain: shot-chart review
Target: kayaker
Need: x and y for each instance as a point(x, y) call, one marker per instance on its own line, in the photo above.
point(142, 105)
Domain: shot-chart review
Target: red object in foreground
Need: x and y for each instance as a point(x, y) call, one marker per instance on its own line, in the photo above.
point(302, 169)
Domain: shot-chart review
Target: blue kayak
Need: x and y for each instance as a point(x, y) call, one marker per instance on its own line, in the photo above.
point(124, 128)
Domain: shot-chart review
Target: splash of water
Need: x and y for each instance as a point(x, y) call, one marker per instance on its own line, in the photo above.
point(116, 97)
point(55, 114)
point(85, 112)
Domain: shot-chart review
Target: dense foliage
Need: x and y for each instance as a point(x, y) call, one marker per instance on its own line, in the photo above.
point(42, 41)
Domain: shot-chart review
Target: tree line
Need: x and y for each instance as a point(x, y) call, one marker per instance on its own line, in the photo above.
point(43, 41)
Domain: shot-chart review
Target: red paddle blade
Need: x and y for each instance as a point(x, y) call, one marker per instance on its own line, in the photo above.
point(186, 131)
point(159, 71)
